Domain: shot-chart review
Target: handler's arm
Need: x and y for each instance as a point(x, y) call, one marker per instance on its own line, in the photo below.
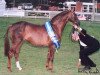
point(80, 30)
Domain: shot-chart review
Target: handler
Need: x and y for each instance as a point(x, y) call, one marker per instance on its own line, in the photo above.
point(88, 46)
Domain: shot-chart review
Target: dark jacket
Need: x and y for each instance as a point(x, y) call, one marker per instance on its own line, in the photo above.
point(89, 40)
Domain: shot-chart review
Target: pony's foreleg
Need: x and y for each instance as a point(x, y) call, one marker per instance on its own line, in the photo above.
point(50, 58)
point(47, 63)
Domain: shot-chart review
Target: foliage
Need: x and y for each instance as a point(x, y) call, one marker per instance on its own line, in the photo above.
point(33, 59)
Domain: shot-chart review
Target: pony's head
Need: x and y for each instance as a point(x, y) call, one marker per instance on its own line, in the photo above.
point(75, 21)
point(72, 17)
point(62, 18)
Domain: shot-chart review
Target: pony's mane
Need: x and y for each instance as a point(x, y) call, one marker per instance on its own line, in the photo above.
point(59, 16)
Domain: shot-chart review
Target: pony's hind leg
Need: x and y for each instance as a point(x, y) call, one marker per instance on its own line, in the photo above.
point(16, 54)
point(10, 55)
point(16, 44)
point(9, 64)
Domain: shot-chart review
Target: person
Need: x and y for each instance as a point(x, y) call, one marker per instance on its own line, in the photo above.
point(88, 45)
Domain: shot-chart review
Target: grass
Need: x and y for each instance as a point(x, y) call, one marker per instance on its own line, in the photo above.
point(32, 59)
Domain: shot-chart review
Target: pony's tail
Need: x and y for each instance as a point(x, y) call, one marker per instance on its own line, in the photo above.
point(6, 43)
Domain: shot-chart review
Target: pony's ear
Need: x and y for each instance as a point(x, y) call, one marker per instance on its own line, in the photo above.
point(73, 10)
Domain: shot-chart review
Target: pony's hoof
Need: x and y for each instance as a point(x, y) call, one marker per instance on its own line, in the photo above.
point(20, 69)
point(50, 70)
point(9, 69)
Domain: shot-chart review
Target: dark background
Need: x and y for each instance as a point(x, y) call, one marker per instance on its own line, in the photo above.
point(13, 3)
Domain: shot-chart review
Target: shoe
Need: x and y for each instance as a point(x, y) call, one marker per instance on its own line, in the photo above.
point(94, 70)
point(85, 69)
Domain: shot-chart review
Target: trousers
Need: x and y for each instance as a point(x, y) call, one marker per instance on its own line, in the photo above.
point(84, 55)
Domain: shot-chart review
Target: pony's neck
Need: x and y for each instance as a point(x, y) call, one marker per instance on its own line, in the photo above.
point(59, 25)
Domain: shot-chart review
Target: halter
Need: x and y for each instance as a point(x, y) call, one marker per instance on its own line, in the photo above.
point(52, 35)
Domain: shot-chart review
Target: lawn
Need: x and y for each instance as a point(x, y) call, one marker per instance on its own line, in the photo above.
point(33, 59)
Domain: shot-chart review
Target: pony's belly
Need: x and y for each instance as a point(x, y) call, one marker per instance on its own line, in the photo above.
point(38, 41)
point(37, 37)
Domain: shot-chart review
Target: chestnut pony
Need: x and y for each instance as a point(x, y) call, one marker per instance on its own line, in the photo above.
point(37, 36)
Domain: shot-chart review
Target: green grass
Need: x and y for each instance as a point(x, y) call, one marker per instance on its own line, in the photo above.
point(33, 59)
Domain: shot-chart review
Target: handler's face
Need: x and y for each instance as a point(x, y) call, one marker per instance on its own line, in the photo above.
point(75, 36)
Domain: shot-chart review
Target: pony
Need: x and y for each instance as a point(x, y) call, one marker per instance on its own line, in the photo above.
point(37, 36)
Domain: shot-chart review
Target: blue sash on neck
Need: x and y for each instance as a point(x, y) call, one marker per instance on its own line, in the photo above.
point(52, 35)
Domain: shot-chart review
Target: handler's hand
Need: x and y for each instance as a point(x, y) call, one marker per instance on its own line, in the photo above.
point(75, 26)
